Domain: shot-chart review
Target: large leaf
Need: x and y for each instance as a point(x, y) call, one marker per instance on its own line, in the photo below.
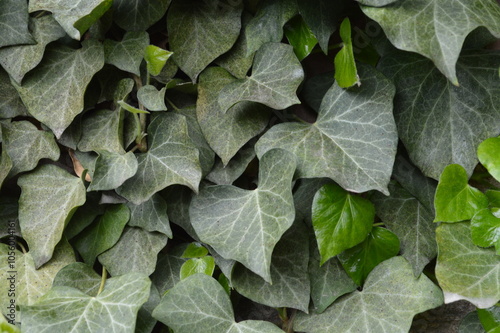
point(465, 271)
point(211, 26)
point(439, 123)
point(150, 215)
point(127, 54)
point(14, 28)
point(246, 225)
point(48, 199)
point(20, 59)
point(138, 15)
point(200, 304)
point(390, 298)
point(53, 92)
point(353, 140)
point(442, 38)
point(112, 170)
point(102, 131)
point(171, 159)
point(66, 309)
point(276, 75)
point(226, 132)
point(80, 276)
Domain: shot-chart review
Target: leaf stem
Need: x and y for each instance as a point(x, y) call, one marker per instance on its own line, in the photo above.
point(172, 104)
point(141, 138)
point(22, 247)
point(378, 224)
point(103, 280)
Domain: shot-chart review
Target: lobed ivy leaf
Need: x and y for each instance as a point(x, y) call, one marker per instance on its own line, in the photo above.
point(246, 225)
point(14, 28)
point(353, 140)
point(49, 197)
point(152, 98)
point(151, 215)
point(138, 15)
point(102, 130)
point(112, 170)
point(488, 152)
point(79, 276)
point(128, 53)
point(10, 102)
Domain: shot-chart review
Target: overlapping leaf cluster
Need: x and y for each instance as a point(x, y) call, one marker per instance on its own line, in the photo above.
point(287, 184)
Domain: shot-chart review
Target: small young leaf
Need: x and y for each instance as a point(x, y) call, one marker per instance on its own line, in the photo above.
point(156, 58)
point(488, 153)
point(195, 250)
point(204, 265)
point(300, 37)
point(485, 229)
point(346, 73)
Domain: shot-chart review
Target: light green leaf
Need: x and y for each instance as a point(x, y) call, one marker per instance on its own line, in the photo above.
point(112, 170)
point(211, 26)
point(156, 57)
point(102, 130)
point(10, 103)
point(291, 285)
point(488, 152)
point(246, 225)
point(273, 83)
point(226, 132)
point(79, 276)
point(48, 199)
point(390, 298)
point(465, 271)
point(14, 28)
point(200, 304)
point(455, 199)
point(340, 220)
point(485, 229)
point(66, 309)
point(433, 116)
point(267, 25)
point(53, 92)
point(194, 250)
point(102, 234)
point(7, 327)
point(345, 67)
point(151, 98)
point(74, 16)
point(226, 175)
point(300, 36)
point(171, 159)
point(127, 54)
point(205, 265)
point(26, 145)
point(150, 215)
point(138, 15)
point(135, 251)
point(20, 59)
point(353, 140)
point(426, 27)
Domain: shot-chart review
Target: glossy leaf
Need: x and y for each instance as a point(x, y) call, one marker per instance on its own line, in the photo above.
point(156, 57)
point(151, 98)
point(194, 250)
point(14, 30)
point(300, 37)
point(112, 170)
point(128, 53)
point(490, 318)
point(204, 265)
point(485, 229)
point(346, 73)
point(79, 276)
point(137, 15)
point(488, 152)
point(150, 215)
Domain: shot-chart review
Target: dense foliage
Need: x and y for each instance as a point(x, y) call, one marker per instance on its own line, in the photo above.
point(166, 165)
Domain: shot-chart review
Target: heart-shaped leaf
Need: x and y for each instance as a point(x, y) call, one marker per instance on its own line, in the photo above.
point(112, 170)
point(127, 54)
point(151, 98)
point(485, 229)
point(156, 58)
point(14, 28)
point(102, 131)
point(488, 152)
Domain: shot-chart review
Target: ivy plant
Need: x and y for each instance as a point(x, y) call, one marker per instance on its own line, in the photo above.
point(180, 165)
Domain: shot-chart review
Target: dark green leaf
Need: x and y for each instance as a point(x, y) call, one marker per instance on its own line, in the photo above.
point(10, 102)
point(226, 175)
point(112, 170)
point(150, 215)
point(300, 37)
point(14, 28)
point(127, 54)
point(138, 15)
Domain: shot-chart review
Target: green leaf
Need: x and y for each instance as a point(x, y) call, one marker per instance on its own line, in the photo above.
point(127, 54)
point(246, 225)
point(340, 220)
point(5, 166)
point(20, 59)
point(26, 145)
point(195, 250)
point(102, 130)
point(156, 57)
point(76, 16)
point(485, 229)
point(456, 200)
point(150, 215)
point(79, 276)
point(167, 272)
point(200, 304)
point(226, 132)
point(433, 116)
point(53, 92)
point(151, 98)
point(48, 200)
point(138, 15)
point(380, 244)
point(465, 271)
point(273, 83)
point(226, 175)
point(315, 89)
point(490, 318)
point(291, 285)
point(346, 73)
point(353, 140)
point(488, 152)
point(84, 215)
point(303, 197)
point(205, 265)
point(211, 26)
point(300, 36)
point(102, 234)
point(444, 34)
point(171, 159)
point(14, 28)
point(390, 298)
point(130, 108)
point(10, 102)
point(6, 327)
point(145, 321)
point(112, 170)
point(471, 324)
point(113, 310)
point(178, 199)
point(135, 251)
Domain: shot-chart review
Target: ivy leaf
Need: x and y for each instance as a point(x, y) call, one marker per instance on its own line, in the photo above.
point(48, 199)
point(209, 26)
point(465, 271)
point(376, 3)
point(7, 327)
point(167, 272)
point(315, 89)
point(59, 83)
point(113, 310)
point(345, 67)
point(171, 159)
point(84, 215)
point(471, 324)
point(490, 318)
point(303, 197)
point(353, 140)
point(10, 103)
point(246, 225)
point(5, 166)
point(340, 220)
point(127, 54)
point(112, 170)
point(226, 132)
point(151, 215)
point(102, 131)
point(76, 16)
point(200, 303)
point(380, 244)
point(14, 29)
point(20, 59)
point(456, 200)
point(433, 115)
point(488, 152)
point(273, 83)
point(300, 37)
point(402, 23)
point(156, 58)
point(178, 199)
point(151, 98)
point(145, 321)
point(205, 265)
point(195, 250)
point(79, 276)
point(26, 145)
point(390, 298)
point(226, 175)
point(138, 15)
point(135, 251)
point(485, 229)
